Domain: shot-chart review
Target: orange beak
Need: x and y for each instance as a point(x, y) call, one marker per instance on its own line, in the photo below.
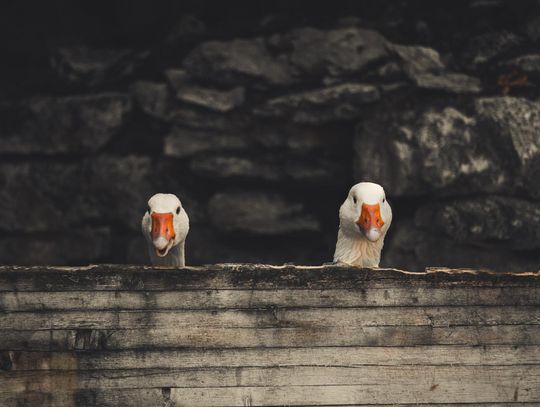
point(162, 226)
point(370, 217)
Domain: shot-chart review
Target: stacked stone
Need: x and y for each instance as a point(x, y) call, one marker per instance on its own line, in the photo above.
point(262, 136)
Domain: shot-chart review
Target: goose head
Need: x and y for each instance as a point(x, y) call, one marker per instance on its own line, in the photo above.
point(364, 219)
point(366, 213)
point(165, 225)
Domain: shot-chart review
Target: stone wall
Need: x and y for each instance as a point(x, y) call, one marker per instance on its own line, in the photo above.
point(261, 118)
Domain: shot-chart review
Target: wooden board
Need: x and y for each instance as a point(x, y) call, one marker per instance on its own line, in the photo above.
point(240, 299)
point(249, 277)
point(273, 318)
point(246, 335)
point(454, 355)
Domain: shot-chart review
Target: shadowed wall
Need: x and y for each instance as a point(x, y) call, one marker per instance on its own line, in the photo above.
point(261, 118)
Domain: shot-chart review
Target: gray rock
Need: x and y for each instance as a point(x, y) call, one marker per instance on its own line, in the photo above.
point(339, 102)
point(75, 124)
point(515, 124)
point(416, 60)
point(339, 52)
point(213, 99)
point(270, 167)
point(177, 78)
point(90, 67)
point(259, 213)
point(490, 46)
point(44, 196)
point(526, 63)
point(184, 142)
point(118, 188)
point(77, 246)
point(512, 222)
point(410, 247)
point(238, 61)
point(449, 82)
point(40, 196)
point(440, 150)
point(197, 118)
point(153, 98)
point(237, 135)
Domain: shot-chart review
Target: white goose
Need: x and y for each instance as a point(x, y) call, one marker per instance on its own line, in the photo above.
point(364, 219)
point(165, 226)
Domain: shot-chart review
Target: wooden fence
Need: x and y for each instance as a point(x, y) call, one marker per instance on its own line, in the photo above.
point(246, 335)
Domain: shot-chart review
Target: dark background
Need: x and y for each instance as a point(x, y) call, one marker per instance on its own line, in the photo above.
point(260, 116)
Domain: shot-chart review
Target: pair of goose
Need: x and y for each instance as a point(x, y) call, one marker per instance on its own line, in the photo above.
point(364, 219)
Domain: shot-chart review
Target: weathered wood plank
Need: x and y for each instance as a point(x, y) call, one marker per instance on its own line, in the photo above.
point(497, 355)
point(274, 335)
point(139, 278)
point(430, 389)
point(467, 378)
point(269, 337)
point(273, 318)
point(238, 299)
point(162, 397)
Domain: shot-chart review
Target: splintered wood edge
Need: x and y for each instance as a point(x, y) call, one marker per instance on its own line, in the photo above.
point(243, 267)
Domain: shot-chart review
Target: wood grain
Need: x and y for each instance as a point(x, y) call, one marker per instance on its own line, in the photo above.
point(239, 299)
point(243, 335)
point(454, 355)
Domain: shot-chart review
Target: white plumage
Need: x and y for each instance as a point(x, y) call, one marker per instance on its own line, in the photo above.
point(364, 219)
point(165, 226)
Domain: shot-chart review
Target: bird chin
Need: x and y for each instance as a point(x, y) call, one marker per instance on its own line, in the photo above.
point(373, 234)
point(165, 250)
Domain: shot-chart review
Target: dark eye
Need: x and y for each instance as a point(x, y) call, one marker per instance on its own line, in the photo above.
point(178, 210)
point(354, 199)
point(383, 200)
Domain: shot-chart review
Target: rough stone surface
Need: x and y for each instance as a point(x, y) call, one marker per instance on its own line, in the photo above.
point(185, 142)
point(416, 248)
point(339, 102)
point(36, 197)
point(152, 98)
point(259, 213)
point(415, 61)
point(511, 222)
point(449, 82)
point(439, 151)
point(236, 61)
point(75, 124)
point(515, 123)
point(529, 64)
point(78, 246)
point(271, 167)
point(90, 67)
point(490, 46)
point(339, 52)
point(219, 101)
point(281, 109)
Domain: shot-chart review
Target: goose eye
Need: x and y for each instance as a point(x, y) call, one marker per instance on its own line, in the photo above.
point(178, 210)
point(383, 200)
point(354, 199)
